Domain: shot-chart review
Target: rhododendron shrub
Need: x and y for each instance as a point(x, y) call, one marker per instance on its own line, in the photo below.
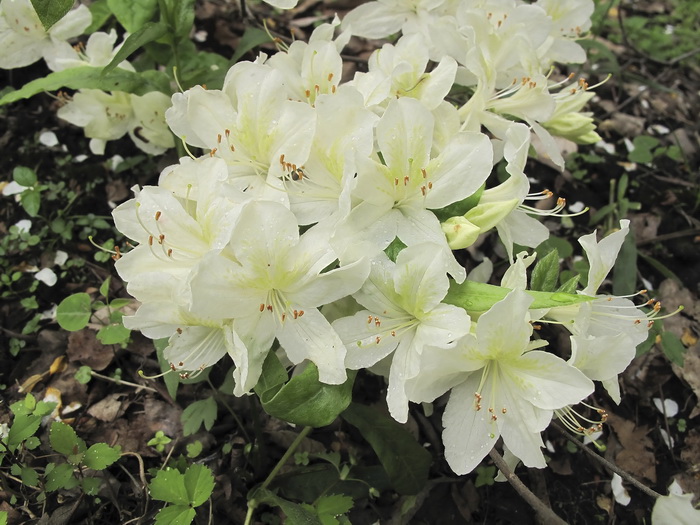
point(320, 221)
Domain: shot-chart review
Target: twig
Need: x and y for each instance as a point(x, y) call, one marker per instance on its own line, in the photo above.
point(670, 236)
point(617, 470)
point(122, 382)
point(548, 516)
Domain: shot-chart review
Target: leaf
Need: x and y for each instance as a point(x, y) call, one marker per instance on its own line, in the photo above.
point(86, 77)
point(29, 476)
point(24, 176)
point(405, 461)
point(149, 32)
point(169, 485)
point(304, 400)
point(61, 476)
point(22, 427)
point(113, 334)
point(100, 456)
point(296, 514)
point(334, 505)
point(91, 486)
point(31, 202)
point(51, 11)
point(198, 413)
point(570, 285)
point(546, 273)
point(273, 375)
point(73, 313)
point(65, 441)
point(625, 269)
point(175, 515)
point(100, 14)
point(252, 37)
point(673, 348)
point(180, 16)
point(477, 298)
point(104, 287)
point(199, 482)
point(133, 14)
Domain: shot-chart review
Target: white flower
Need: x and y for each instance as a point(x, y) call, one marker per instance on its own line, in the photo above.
point(400, 71)
point(24, 40)
point(398, 190)
point(98, 52)
point(385, 17)
point(500, 387)
point(606, 331)
point(675, 510)
point(403, 315)
point(46, 276)
point(269, 279)
point(251, 124)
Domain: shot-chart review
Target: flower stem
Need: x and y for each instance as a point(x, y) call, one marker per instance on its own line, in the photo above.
point(252, 504)
point(548, 516)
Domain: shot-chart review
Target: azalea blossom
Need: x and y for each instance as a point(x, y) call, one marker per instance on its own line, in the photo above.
point(396, 191)
point(500, 386)
point(605, 332)
point(269, 279)
point(403, 315)
point(24, 40)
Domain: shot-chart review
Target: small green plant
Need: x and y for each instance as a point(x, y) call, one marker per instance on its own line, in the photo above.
point(76, 310)
point(183, 491)
point(158, 441)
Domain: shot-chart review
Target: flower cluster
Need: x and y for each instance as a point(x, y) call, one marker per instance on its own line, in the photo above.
point(321, 220)
point(104, 115)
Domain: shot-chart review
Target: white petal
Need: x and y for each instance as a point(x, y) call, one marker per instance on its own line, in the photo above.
point(46, 276)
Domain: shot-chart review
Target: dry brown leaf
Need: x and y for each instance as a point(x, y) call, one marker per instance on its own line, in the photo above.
point(636, 456)
point(83, 346)
point(110, 408)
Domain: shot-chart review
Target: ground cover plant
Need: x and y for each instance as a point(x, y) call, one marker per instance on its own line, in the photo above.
point(349, 262)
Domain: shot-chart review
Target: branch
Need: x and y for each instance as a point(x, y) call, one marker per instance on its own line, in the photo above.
point(546, 514)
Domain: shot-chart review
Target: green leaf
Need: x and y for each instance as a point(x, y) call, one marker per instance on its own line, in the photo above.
point(334, 505)
point(180, 16)
point(113, 334)
point(169, 485)
point(570, 285)
point(31, 202)
point(22, 427)
point(24, 176)
point(170, 379)
point(252, 37)
point(304, 400)
point(91, 486)
point(199, 483)
point(61, 476)
point(83, 375)
point(194, 449)
point(673, 348)
point(546, 273)
point(625, 269)
point(477, 298)
point(149, 32)
point(73, 313)
point(99, 9)
point(485, 476)
point(405, 461)
point(86, 77)
point(198, 413)
point(296, 514)
point(272, 377)
point(64, 440)
point(175, 515)
point(51, 11)
point(133, 14)
point(104, 288)
point(100, 456)
point(29, 476)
